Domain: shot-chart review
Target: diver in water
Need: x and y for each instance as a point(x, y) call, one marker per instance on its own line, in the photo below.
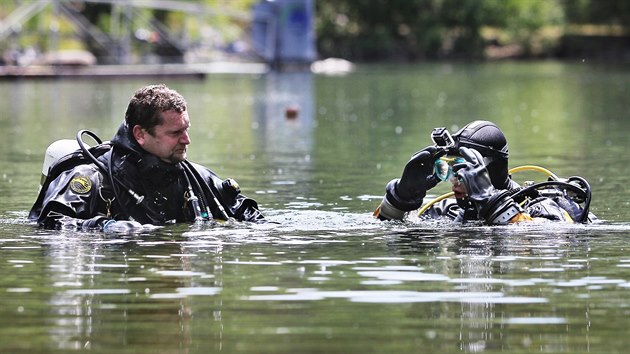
point(475, 161)
point(140, 177)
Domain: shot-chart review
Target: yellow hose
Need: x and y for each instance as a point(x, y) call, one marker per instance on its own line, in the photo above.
point(511, 171)
point(534, 168)
point(429, 204)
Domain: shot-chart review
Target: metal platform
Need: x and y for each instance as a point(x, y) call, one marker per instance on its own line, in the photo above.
point(130, 71)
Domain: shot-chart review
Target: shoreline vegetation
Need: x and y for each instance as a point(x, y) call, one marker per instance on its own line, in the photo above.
point(420, 30)
point(595, 42)
point(359, 31)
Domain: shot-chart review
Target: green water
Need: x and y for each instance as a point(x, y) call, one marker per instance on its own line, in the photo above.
point(328, 278)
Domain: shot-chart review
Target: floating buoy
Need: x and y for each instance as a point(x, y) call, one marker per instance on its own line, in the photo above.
point(291, 112)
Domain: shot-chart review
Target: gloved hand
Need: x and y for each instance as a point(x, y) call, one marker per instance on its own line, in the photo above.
point(406, 194)
point(493, 205)
point(95, 223)
point(121, 226)
point(474, 174)
point(101, 223)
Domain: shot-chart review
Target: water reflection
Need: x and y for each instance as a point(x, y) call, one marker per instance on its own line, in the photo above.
point(284, 125)
point(125, 281)
point(485, 288)
point(328, 277)
point(515, 260)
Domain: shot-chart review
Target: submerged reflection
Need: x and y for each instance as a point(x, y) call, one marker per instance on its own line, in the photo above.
point(507, 262)
point(284, 123)
point(468, 289)
point(118, 291)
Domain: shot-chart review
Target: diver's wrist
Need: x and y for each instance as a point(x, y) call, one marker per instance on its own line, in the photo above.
point(401, 201)
point(389, 212)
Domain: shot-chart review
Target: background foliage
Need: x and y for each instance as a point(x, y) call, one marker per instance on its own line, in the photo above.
point(375, 30)
point(432, 29)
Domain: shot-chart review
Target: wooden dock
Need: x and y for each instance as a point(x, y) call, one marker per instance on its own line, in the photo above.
point(130, 71)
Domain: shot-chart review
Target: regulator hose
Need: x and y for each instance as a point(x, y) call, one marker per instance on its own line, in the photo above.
point(86, 151)
point(205, 205)
point(586, 193)
point(534, 168)
point(587, 200)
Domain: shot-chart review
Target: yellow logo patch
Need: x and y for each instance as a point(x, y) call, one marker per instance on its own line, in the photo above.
point(81, 184)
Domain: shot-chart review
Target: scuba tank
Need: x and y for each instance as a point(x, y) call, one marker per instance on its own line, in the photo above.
point(54, 153)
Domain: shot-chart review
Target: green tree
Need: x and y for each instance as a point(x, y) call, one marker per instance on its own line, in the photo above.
point(608, 12)
point(414, 29)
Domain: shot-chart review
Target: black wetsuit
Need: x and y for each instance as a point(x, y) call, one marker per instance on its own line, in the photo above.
point(136, 186)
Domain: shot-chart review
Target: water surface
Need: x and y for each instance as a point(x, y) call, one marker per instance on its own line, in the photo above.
point(328, 277)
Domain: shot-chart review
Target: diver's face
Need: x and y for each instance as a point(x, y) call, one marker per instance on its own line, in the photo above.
point(170, 139)
point(443, 170)
point(458, 188)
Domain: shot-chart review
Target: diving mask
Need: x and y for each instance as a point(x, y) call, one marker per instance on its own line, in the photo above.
point(443, 167)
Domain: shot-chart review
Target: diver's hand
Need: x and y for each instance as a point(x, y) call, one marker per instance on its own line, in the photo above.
point(418, 177)
point(95, 223)
point(493, 205)
point(406, 194)
point(121, 226)
point(101, 223)
point(474, 175)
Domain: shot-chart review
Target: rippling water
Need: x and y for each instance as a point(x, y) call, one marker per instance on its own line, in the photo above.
point(325, 276)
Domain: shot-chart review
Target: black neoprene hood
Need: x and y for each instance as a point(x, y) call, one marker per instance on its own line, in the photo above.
point(489, 140)
point(484, 137)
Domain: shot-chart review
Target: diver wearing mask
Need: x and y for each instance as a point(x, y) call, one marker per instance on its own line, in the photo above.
point(475, 161)
point(140, 177)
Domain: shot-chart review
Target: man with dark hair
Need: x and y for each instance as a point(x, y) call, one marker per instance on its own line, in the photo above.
point(475, 161)
point(140, 177)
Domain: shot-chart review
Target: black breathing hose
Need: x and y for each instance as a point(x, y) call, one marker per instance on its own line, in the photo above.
point(198, 204)
point(138, 198)
point(587, 199)
point(585, 193)
point(86, 151)
point(223, 215)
